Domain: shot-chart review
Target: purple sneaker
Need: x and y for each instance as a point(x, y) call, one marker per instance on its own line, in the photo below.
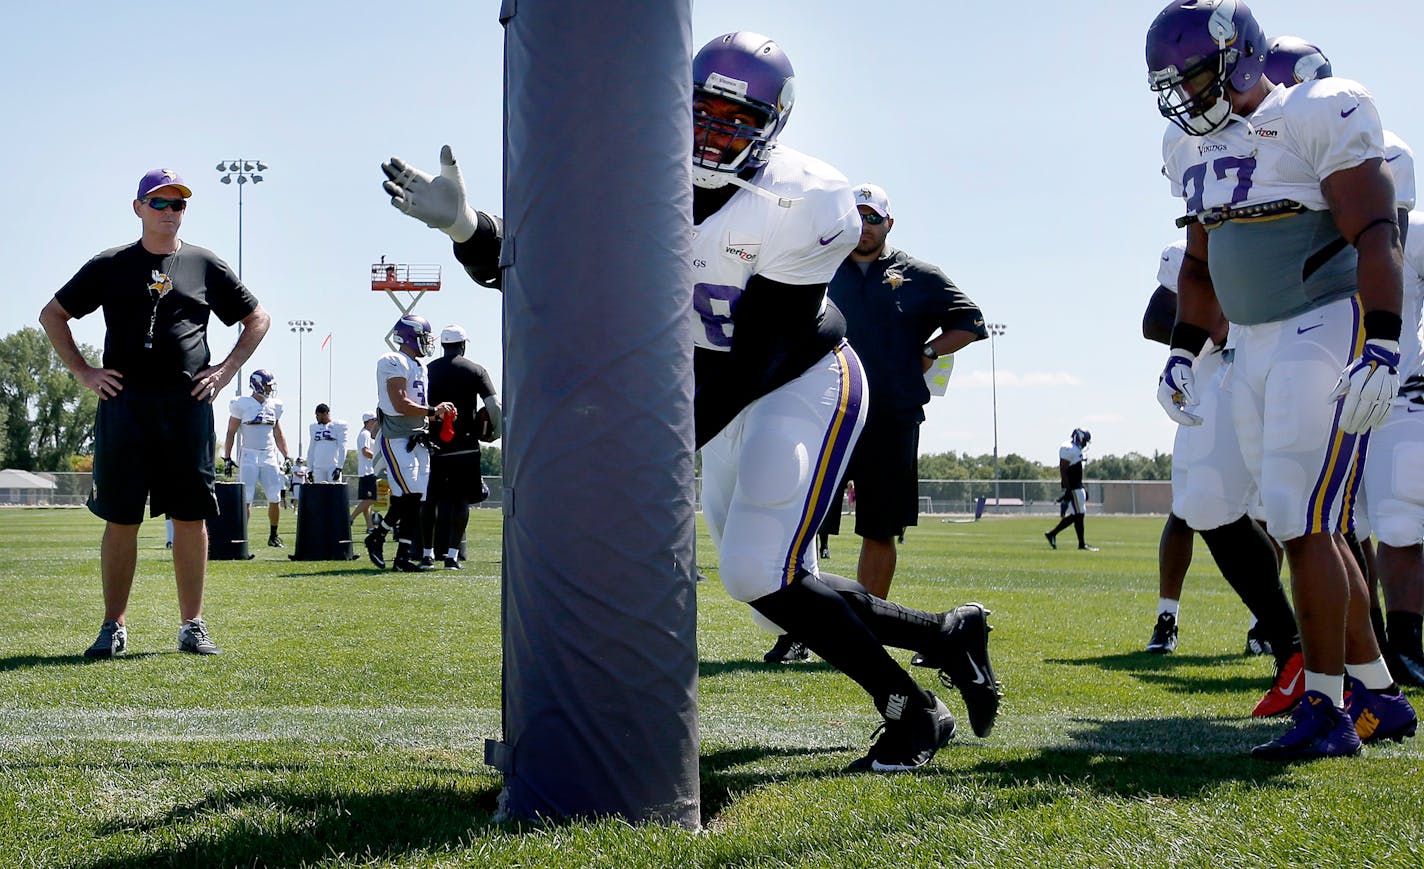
point(1321, 730)
point(1378, 716)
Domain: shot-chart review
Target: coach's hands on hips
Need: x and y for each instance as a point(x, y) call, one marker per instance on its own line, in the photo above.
point(1368, 385)
point(104, 382)
point(1177, 387)
point(438, 201)
point(209, 382)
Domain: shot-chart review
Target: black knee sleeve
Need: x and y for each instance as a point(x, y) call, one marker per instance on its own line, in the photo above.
point(818, 616)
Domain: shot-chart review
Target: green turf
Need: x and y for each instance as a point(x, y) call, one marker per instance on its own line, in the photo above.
point(344, 724)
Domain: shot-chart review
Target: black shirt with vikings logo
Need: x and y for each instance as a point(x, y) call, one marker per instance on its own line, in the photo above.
point(156, 310)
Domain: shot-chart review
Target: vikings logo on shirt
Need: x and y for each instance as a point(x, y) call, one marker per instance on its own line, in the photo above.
point(894, 277)
point(162, 283)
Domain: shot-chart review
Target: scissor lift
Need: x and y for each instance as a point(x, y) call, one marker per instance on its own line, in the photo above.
point(411, 281)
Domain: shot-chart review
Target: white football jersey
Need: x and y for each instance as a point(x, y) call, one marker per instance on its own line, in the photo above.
point(328, 447)
point(393, 365)
point(259, 419)
point(364, 441)
point(1297, 137)
point(1070, 452)
point(1401, 165)
point(1411, 339)
point(798, 235)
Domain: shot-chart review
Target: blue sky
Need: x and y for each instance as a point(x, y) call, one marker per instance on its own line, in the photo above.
point(1018, 142)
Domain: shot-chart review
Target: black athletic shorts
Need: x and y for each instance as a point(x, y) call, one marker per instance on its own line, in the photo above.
point(455, 478)
point(366, 488)
point(157, 447)
point(885, 468)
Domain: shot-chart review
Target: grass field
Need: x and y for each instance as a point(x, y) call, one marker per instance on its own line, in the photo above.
point(344, 724)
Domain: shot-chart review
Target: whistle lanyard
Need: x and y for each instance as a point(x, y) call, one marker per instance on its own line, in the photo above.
point(161, 283)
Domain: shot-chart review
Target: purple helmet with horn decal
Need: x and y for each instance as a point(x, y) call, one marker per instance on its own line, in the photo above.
point(1196, 49)
point(415, 332)
point(263, 382)
point(752, 71)
point(1291, 60)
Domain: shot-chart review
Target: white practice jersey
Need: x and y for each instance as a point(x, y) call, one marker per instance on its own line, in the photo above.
point(800, 239)
point(328, 447)
point(1400, 159)
point(1297, 137)
point(364, 441)
point(1411, 339)
point(393, 365)
point(1070, 452)
point(259, 420)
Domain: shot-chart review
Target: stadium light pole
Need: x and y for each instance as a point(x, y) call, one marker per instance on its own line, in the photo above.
point(995, 330)
point(301, 327)
point(244, 171)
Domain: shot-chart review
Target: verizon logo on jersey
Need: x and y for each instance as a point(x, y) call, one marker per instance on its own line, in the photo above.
point(747, 253)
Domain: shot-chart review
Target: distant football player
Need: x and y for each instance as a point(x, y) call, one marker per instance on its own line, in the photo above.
point(328, 446)
point(257, 419)
point(779, 397)
point(1075, 497)
point(1292, 237)
point(404, 415)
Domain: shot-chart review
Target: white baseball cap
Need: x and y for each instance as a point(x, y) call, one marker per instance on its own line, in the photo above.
point(453, 334)
point(874, 196)
point(367, 416)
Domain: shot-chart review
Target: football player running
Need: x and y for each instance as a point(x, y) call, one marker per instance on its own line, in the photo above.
point(1303, 259)
point(258, 418)
point(1389, 504)
point(404, 416)
point(780, 396)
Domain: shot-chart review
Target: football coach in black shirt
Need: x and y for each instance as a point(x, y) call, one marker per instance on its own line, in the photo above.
point(154, 439)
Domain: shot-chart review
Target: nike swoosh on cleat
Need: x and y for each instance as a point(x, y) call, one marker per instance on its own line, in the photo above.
point(978, 674)
point(1301, 330)
point(1289, 689)
point(826, 241)
point(1350, 111)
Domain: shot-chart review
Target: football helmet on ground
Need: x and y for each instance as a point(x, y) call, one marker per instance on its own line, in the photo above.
point(751, 70)
point(415, 332)
point(263, 382)
point(1195, 50)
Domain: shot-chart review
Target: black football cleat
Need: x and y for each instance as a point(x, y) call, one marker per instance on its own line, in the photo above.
point(376, 545)
point(962, 657)
point(787, 650)
point(910, 740)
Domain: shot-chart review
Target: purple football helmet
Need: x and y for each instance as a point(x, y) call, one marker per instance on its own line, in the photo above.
point(1195, 50)
point(1080, 437)
point(751, 70)
point(263, 382)
point(414, 331)
point(1291, 60)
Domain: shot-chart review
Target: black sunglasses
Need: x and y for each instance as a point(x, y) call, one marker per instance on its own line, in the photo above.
point(871, 218)
point(158, 203)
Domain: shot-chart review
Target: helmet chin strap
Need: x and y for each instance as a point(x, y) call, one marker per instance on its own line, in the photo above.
point(710, 179)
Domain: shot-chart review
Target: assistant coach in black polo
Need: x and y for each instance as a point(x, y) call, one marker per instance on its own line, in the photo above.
point(901, 314)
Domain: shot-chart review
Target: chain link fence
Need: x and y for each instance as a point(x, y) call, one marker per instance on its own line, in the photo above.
point(937, 497)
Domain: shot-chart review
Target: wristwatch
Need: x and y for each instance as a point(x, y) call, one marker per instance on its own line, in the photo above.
point(930, 353)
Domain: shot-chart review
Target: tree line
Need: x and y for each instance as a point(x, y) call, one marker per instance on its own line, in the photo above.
point(47, 424)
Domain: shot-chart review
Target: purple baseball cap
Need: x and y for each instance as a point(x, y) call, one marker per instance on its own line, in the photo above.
point(156, 178)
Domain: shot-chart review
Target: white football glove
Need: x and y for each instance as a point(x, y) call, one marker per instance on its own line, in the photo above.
point(1368, 385)
point(1176, 388)
point(438, 201)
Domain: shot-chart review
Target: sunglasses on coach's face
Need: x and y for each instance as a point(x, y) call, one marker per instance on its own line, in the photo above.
point(871, 218)
point(158, 203)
